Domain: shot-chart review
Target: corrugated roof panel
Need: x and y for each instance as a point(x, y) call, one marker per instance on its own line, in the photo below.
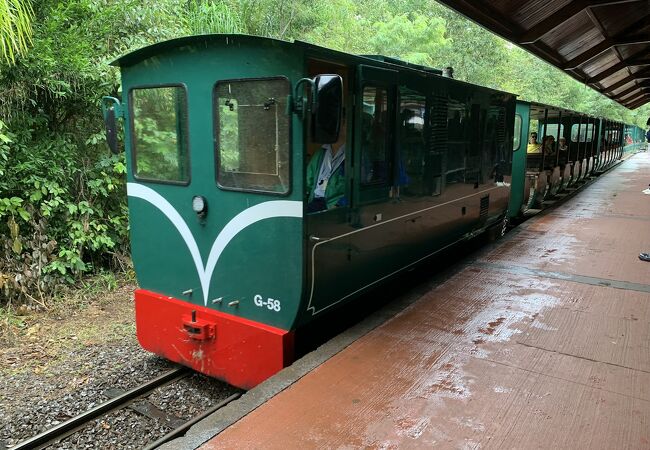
point(575, 41)
point(628, 51)
point(628, 90)
point(600, 63)
point(530, 13)
point(614, 22)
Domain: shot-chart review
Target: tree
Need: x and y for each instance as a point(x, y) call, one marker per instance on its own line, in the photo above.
point(15, 28)
point(417, 39)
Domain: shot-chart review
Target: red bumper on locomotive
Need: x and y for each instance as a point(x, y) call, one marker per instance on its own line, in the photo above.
point(239, 351)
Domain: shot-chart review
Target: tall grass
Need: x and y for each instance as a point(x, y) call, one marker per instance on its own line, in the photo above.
point(209, 17)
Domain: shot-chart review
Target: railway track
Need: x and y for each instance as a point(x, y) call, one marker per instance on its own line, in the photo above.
point(78, 422)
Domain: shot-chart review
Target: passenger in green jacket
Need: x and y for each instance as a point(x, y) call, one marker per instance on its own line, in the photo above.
point(326, 176)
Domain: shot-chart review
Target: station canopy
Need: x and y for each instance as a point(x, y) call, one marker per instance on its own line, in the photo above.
point(602, 43)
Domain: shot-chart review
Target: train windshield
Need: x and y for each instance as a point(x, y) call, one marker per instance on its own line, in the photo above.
point(252, 135)
point(159, 134)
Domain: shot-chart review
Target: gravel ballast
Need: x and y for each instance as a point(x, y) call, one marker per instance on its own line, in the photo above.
point(65, 368)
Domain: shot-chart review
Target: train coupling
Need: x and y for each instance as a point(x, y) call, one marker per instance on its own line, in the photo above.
point(198, 329)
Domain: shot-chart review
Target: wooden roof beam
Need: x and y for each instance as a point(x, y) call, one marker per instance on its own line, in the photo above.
point(620, 96)
point(601, 48)
point(552, 22)
point(486, 16)
point(634, 97)
point(639, 90)
point(561, 16)
point(628, 62)
point(624, 37)
point(605, 34)
point(640, 75)
point(637, 98)
point(642, 100)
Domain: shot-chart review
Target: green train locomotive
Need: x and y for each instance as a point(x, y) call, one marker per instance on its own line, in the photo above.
point(225, 140)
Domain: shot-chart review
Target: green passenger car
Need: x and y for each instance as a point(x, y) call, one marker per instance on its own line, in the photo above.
point(219, 132)
point(556, 149)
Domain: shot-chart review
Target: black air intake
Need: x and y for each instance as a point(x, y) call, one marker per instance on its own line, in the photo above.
point(485, 205)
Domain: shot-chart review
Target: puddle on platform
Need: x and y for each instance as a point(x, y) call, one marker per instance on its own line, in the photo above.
point(467, 318)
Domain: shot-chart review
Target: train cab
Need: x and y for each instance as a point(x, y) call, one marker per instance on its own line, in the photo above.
point(537, 156)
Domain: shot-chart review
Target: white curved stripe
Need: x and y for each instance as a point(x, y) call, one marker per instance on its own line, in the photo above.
point(157, 200)
point(266, 210)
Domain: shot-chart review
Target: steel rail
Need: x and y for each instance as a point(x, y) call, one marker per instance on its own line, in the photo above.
point(180, 431)
point(60, 431)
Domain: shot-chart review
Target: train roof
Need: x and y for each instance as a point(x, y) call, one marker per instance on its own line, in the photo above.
point(537, 109)
point(143, 53)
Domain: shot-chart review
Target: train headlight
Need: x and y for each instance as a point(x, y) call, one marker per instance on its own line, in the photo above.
point(199, 205)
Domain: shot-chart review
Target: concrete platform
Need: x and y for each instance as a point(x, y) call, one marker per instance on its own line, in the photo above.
point(543, 341)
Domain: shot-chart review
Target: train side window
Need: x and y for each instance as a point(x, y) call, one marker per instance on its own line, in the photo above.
point(551, 130)
point(437, 146)
point(375, 154)
point(159, 134)
point(252, 135)
point(586, 132)
point(516, 140)
point(412, 142)
point(574, 133)
point(463, 155)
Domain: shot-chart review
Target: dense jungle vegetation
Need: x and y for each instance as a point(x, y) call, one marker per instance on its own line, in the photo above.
point(62, 196)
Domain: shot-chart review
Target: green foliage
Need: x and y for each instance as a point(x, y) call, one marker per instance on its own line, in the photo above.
point(337, 25)
point(419, 40)
point(64, 218)
point(62, 197)
point(207, 17)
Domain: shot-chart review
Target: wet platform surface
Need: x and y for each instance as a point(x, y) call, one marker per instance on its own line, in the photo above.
point(541, 342)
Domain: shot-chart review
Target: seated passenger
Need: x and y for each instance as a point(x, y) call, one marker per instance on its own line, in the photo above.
point(533, 145)
point(562, 146)
point(325, 176)
point(548, 145)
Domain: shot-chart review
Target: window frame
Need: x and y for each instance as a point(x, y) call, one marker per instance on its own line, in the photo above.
point(521, 124)
point(134, 154)
point(587, 126)
point(464, 137)
point(389, 135)
point(398, 146)
point(216, 130)
point(560, 129)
